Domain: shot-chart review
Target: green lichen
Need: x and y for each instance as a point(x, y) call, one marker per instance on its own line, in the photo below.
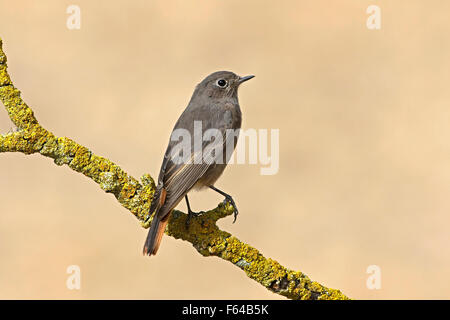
point(108, 182)
point(4, 76)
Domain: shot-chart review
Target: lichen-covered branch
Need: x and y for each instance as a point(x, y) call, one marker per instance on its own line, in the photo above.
point(29, 137)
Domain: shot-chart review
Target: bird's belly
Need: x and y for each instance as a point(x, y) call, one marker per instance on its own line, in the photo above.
point(210, 176)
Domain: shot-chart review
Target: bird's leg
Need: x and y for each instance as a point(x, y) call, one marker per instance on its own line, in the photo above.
point(229, 199)
point(190, 212)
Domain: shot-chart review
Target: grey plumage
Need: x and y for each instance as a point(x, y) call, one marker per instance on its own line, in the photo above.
point(216, 107)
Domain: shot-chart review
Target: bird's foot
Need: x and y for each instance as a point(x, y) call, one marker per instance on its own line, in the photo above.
point(230, 200)
point(190, 215)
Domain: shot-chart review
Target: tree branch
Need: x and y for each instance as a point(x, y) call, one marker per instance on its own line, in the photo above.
point(204, 234)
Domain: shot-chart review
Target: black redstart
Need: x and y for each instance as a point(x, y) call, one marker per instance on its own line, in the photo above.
point(214, 107)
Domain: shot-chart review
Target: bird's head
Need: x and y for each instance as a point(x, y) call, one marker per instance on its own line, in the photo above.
point(221, 84)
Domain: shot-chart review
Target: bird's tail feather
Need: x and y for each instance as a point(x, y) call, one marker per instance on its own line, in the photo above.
point(158, 225)
point(155, 234)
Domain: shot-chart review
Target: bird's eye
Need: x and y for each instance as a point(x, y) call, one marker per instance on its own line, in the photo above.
point(221, 83)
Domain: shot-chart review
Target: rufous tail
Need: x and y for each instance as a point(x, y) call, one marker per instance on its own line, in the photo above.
point(155, 234)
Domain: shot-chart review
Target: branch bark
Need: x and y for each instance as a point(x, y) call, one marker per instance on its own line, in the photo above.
point(31, 138)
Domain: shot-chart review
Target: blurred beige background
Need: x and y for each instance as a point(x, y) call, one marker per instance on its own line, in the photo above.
point(363, 115)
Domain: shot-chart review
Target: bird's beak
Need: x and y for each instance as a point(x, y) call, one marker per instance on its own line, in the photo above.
point(243, 79)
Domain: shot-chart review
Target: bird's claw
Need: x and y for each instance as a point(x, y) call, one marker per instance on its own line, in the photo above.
point(230, 200)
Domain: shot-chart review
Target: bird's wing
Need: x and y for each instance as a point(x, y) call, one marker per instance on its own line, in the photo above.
point(178, 178)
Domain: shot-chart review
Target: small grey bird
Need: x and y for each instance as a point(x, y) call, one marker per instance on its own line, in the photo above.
point(214, 105)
